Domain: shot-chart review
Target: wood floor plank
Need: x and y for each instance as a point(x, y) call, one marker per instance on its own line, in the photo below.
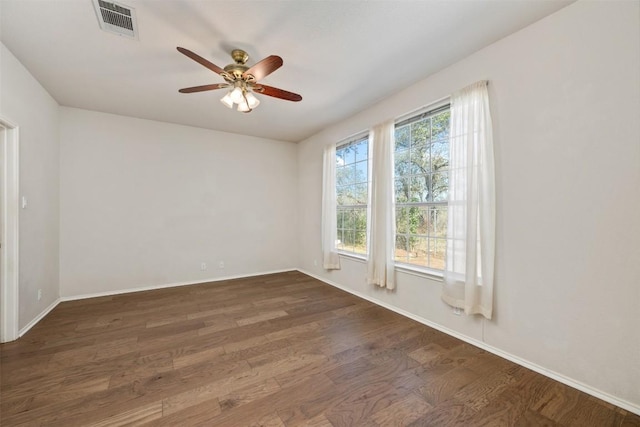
point(244, 395)
point(275, 350)
point(134, 417)
point(403, 412)
point(197, 415)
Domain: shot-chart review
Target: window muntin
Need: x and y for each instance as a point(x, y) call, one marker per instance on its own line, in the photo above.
point(421, 189)
point(352, 191)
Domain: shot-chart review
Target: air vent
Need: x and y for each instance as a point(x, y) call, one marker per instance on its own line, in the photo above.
point(116, 18)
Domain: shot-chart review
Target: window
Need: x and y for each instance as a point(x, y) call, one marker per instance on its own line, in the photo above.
point(352, 191)
point(421, 187)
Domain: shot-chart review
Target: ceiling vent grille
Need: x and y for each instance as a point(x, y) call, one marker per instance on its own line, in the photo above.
point(116, 18)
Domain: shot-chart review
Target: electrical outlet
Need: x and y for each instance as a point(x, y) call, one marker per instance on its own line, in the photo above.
point(315, 262)
point(457, 311)
point(203, 266)
point(39, 294)
point(221, 264)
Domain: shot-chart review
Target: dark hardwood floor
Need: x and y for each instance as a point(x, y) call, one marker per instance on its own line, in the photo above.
point(275, 350)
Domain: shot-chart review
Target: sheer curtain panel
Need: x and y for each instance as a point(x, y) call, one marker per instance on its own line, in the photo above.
point(382, 218)
point(330, 258)
point(468, 275)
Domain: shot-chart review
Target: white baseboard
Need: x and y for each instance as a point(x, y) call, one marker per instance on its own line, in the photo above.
point(168, 285)
point(38, 318)
point(628, 406)
point(631, 407)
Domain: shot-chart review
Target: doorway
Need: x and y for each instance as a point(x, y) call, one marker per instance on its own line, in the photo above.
point(9, 210)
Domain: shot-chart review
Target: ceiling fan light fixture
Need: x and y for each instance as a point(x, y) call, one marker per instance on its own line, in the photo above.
point(243, 107)
point(252, 101)
point(226, 100)
point(237, 95)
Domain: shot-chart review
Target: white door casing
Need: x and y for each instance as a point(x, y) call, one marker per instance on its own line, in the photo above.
point(9, 213)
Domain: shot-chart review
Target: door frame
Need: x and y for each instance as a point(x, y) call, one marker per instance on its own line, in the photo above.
point(9, 214)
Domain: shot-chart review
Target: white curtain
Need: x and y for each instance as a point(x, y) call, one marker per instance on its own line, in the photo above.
point(468, 275)
point(382, 215)
point(330, 258)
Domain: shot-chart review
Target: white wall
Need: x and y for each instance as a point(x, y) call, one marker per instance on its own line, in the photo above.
point(565, 96)
point(144, 203)
point(24, 102)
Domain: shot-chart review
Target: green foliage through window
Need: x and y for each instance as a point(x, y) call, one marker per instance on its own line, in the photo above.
point(421, 190)
point(352, 181)
point(421, 187)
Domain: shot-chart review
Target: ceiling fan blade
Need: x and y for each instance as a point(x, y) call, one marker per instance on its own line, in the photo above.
point(277, 93)
point(265, 67)
point(200, 60)
point(203, 88)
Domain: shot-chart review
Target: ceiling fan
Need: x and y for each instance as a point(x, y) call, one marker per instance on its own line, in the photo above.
point(242, 80)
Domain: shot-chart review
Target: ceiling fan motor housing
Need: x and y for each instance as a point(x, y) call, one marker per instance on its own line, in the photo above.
point(240, 58)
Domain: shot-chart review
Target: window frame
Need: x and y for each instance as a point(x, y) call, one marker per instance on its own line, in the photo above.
point(345, 143)
point(406, 120)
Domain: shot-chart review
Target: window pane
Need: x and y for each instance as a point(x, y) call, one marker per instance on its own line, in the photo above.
point(440, 156)
point(341, 196)
point(402, 190)
point(361, 242)
point(440, 186)
point(401, 159)
point(361, 172)
point(346, 154)
point(349, 237)
point(418, 250)
point(345, 175)
point(420, 159)
point(420, 188)
point(412, 219)
point(340, 242)
point(361, 150)
point(438, 219)
point(402, 220)
point(344, 195)
point(440, 126)
point(352, 195)
point(420, 132)
point(437, 251)
point(402, 136)
point(401, 248)
point(421, 168)
point(360, 219)
point(359, 194)
point(422, 222)
point(353, 219)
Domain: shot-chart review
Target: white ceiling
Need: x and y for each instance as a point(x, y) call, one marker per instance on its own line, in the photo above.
point(341, 56)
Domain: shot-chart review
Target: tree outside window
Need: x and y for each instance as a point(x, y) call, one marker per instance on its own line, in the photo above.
point(421, 187)
point(352, 182)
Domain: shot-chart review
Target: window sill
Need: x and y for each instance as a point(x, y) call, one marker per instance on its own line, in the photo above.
point(404, 268)
point(353, 256)
point(420, 272)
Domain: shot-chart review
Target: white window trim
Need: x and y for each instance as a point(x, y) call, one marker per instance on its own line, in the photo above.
point(415, 270)
point(435, 275)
